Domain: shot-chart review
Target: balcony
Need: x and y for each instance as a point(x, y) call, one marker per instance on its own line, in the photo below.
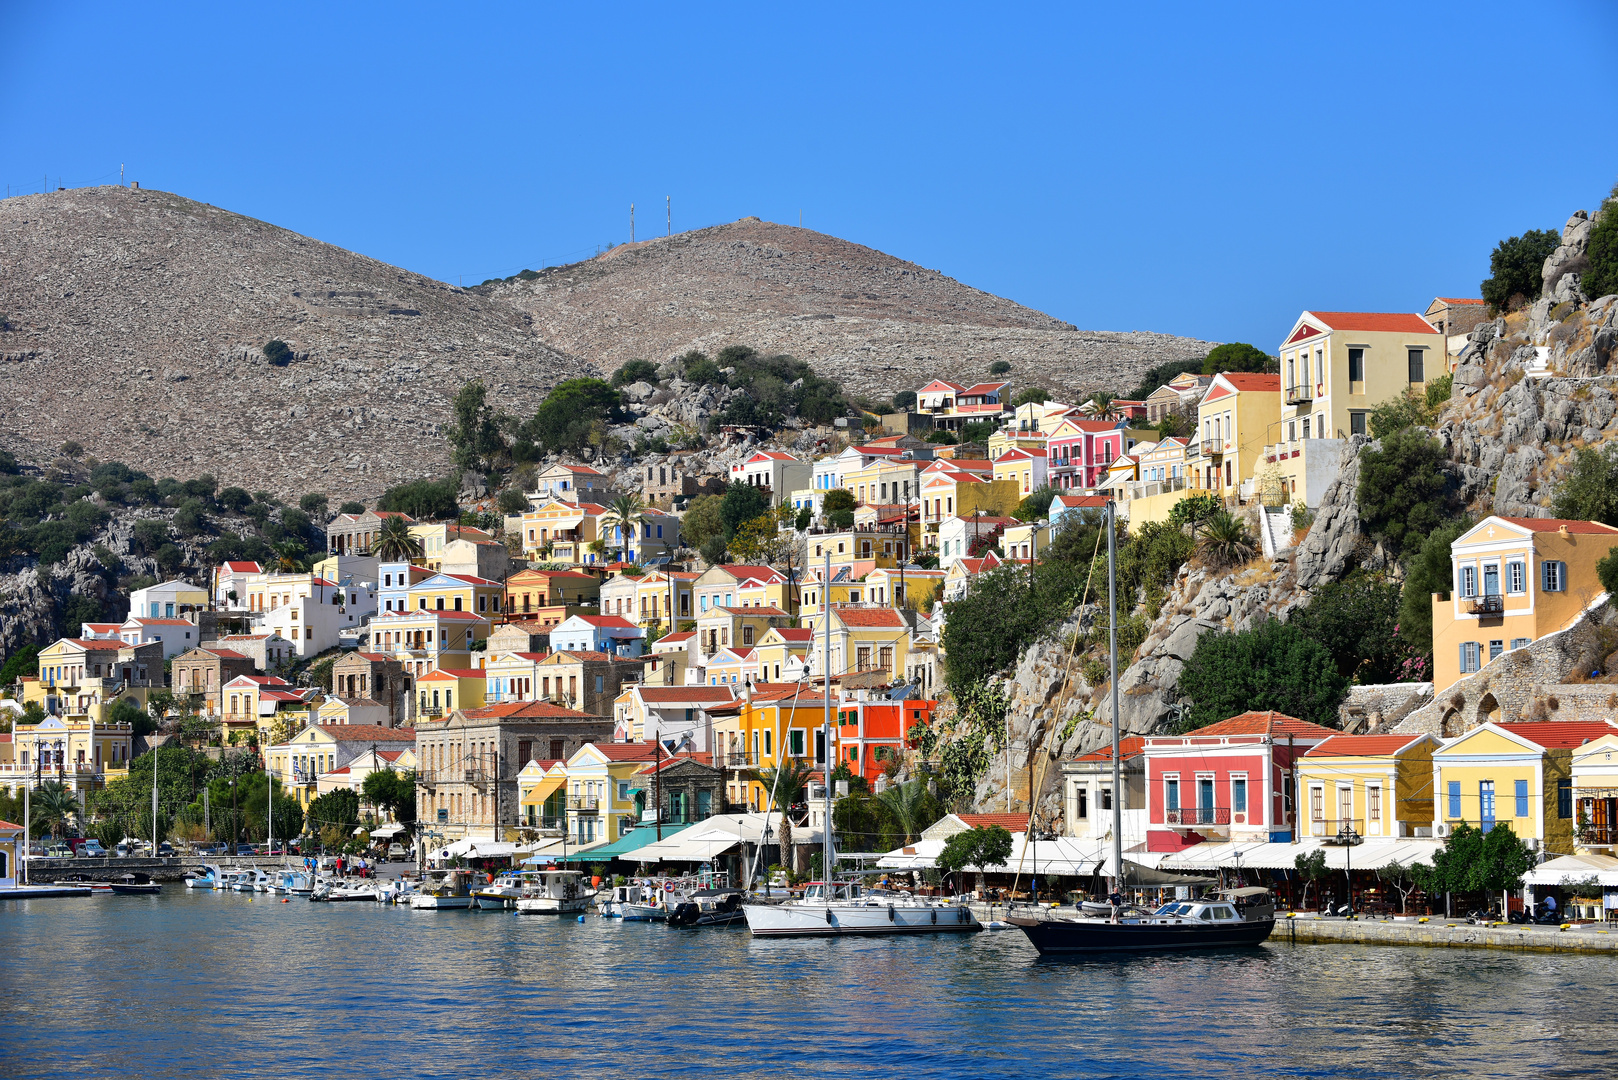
point(1191, 817)
point(585, 803)
point(1300, 395)
point(1487, 604)
point(1145, 489)
point(738, 761)
point(1334, 829)
point(1211, 449)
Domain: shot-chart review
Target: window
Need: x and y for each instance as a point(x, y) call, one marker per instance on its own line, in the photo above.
point(1520, 791)
point(1496, 647)
point(795, 742)
point(1521, 642)
point(1417, 368)
point(1306, 427)
point(1082, 806)
point(1553, 576)
point(1356, 365)
point(1356, 423)
point(1317, 804)
point(1105, 802)
point(1491, 579)
point(1564, 799)
point(1238, 795)
point(1486, 804)
point(1373, 803)
point(1467, 581)
point(600, 683)
point(1171, 793)
point(1470, 654)
point(1454, 800)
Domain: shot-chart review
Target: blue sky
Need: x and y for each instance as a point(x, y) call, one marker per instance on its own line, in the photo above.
point(1199, 169)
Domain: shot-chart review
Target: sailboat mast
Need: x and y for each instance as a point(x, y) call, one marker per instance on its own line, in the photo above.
point(829, 858)
point(154, 802)
point(1112, 673)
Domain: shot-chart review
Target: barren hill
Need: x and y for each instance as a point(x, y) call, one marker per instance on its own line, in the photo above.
point(137, 322)
point(878, 323)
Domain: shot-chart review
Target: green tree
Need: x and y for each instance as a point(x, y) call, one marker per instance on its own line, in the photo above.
point(912, 808)
point(235, 499)
point(1427, 572)
point(1396, 414)
point(314, 504)
point(1311, 868)
point(55, 807)
point(394, 542)
point(127, 711)
point(564, 418)
point(1405, 492)
point(473, 432)
point(989, 628)
point(392, 792)
point(741, 503)
point(1031, 395)
point(351, 507)
point(1601, 277)
point(1237, 356)
point(278, 353)
point(999, 367)
point(424, 500)
point(1193, 511)
point(512, 501)
point(703, 521)
point(1590, 490)
point(1357, 620)
point(1516, 267)
point(339, 808)
point(25, 661)
point(634, 371)
point(904, 400)
point(976, 847)
point(1226, 542)
point(1606, 570)
point(1438, 392)
point(1035, 505)
point(785, 787)
point(1474, 861)
point(626, 514)
point(1271, 666)
point(978, 431)
point(838, 508)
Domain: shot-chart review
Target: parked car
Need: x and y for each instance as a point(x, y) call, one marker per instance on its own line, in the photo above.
point(398, 851)
point(165, 850)
point(90, 849)
point(245, 850)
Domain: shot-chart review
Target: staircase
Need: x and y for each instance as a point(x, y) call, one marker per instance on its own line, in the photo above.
point(1276, 530)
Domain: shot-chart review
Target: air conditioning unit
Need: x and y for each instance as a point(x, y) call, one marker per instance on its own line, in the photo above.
point(1441, 829)
point(1531, 843)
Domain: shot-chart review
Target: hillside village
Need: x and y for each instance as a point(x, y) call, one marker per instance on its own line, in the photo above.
point(644, 604)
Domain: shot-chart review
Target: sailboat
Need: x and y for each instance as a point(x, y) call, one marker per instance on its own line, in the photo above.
point(1201, 924)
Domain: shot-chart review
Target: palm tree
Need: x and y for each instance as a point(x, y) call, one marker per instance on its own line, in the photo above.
point(1101, 406)
point(290, 557)
point(786, 784)
point(1226, 541)
point(56, 806)
point(908, 804)
point(394, 542)
point(626, 514)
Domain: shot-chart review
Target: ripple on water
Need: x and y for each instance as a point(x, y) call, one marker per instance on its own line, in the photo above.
point(192, 984)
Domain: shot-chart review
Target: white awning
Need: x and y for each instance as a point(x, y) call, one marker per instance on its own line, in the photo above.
point(491, 849)
point(1263, 855)
point(1569, 868)
point(387, 832)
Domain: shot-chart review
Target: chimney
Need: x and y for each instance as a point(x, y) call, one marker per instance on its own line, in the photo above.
point(1561, 530)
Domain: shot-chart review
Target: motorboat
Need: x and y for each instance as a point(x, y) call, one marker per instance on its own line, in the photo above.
point(657, 899)
point(503, 892)
point(330, 891)
point(555, 892)
point(836, 908)
point(708, 907)
point(449, 889)
point(611, 902)
point(96, 886)
point(1213, 923)
point(135, 885)
point(295, 883)
point(251, 879)
point(397, 891)
point(208, 879)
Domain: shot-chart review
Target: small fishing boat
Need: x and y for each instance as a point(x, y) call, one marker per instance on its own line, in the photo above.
point(555, 892)
point(329, 891)
point(450, 889)
point(294, 883)
point(657, 899)
point(135, 885)
point(207, 879)
point(708, 907)
point(397, 891)
point(611, 902)
point(503, 892)
point(85, 881)
point(836, 908)
point(251, 879)
point(1183, 924)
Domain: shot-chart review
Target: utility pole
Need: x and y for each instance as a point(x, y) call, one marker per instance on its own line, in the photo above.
point(631, 223)
point(829, 859)
point(668, 210)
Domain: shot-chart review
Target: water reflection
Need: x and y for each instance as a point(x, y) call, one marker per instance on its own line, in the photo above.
point(221, 985)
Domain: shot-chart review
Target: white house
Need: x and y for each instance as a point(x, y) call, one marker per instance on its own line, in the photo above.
point(955, 536)
point(780, 472)
point(598, 633)
point(230, 581)
point(168, 600)
point(177, 635)
point(313, 622)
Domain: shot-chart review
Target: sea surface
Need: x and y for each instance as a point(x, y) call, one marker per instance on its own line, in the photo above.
point(223, 985)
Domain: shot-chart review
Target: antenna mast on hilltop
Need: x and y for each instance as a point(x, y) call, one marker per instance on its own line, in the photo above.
point(631, 223)
point(668, 208)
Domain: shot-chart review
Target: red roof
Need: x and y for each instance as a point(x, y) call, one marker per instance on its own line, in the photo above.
point(1362, 745)
point(1458, 300)
point(1009, 822)
point(1561, 734)
point(523, 710)
point(687, 693)
point(373, 657)
point(684, 635)
point(472, 579)
point(634, 751)
point(1127, 748)
point(243, 567)
point(1093, 425)
point(869, 617)
point(747, 570)
point(985, 388)
point(1375, 321)
point(1264, 723)
point(10, 827)
point(226, 654)
point(1556, 524)
point(1251, 380)
point(589, 654)
point(368, 733)
point(757, 612)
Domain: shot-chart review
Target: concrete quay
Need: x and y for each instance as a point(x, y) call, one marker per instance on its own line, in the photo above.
point(1441, 933)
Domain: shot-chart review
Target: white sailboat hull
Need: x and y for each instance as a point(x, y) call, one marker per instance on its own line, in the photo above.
point(833, 920)
point(419, 901)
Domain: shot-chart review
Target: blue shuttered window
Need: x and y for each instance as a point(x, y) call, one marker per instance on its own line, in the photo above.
point(1455, 800)
point(1522, 798)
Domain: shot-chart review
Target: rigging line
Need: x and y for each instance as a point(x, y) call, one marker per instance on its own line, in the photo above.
point(1067, 683)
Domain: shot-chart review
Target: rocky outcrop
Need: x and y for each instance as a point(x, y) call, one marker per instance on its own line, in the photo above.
point(1564, 265)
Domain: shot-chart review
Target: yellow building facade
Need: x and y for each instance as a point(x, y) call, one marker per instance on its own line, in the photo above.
point(1376, 785)
point(1521, 774)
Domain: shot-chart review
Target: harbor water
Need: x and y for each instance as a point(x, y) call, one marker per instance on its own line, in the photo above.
point(204, 984)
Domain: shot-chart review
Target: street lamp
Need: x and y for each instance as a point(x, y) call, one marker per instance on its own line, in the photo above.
point(1347, 837)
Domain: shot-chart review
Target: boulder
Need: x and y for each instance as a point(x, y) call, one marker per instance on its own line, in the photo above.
point(1569, 258)
point(1325, 552)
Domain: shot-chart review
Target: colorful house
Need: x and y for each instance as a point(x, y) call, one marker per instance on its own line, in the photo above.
point(1595, 795)
point(870, 734)
point(1025, 468)
point(1080, 451)
point(456, 592)
point(443, 690)
point(530, 591)
point(1518, 773)
point(1369, 785)
point(1234, 780)
point(1235, 420)
point(1516, 580)
point(599, 633)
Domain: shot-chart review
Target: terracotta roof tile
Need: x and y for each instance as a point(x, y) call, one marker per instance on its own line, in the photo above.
point(1555, 525)
point(1375, 321)
point(1561, 734)
point(1009, 822)
point(1263, 723)
point(1362, 745)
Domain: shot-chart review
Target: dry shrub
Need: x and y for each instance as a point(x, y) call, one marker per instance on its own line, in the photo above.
point(1457, 699)
point(1553, 702)
point(1612, 701)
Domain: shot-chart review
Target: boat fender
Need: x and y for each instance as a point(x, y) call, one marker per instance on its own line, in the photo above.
point(935, 916)
point(581, 918)
point(890, 913)
point(828, 918)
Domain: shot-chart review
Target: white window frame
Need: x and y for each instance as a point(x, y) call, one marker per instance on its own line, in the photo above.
point(1516, 577)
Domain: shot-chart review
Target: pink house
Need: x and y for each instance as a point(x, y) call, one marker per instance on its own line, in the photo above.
point(1233, 780)
point(1079, 451)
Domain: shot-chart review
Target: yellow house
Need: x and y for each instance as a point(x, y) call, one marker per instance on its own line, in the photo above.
point(1010, 438)
point(1234, 421)
point(456, 592)
point(565, 529)
point(1336, 366)
point(863, 638)
point(774, 726)
point(542, 795)
point(1026, 541)
point(1377, 785)
point(424, 640)
point(724, 627)
point(316, 750)
point(514, 677)
point(1519, 773)
point(601, 806)
point(904, 589)
point(1025, 468)
point(845, 586)
point(949, 493)
point(1595, 795)
point(1516, 580)
point(81, 753)
point(724, 585)
point(780, 654)
point(886, 481)
point(649, 599)
point(729, 666)
point(436, 537)
point(444, 690)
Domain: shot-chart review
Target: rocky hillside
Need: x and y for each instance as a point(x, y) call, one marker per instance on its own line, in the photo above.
point(877, 323)
point(135, 323)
